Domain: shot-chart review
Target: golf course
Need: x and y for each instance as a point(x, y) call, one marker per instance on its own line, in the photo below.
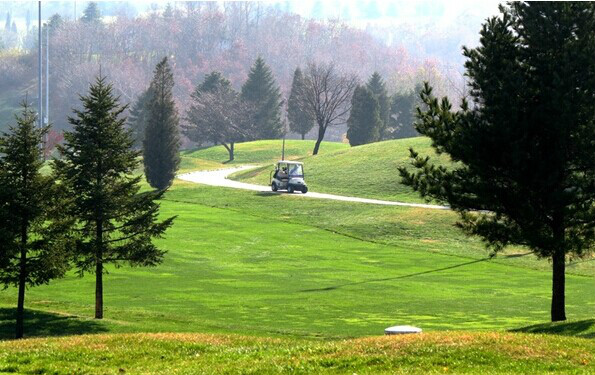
point(288, 284)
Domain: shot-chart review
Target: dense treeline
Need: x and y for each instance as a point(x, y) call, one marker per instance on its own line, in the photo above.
point(198, 40)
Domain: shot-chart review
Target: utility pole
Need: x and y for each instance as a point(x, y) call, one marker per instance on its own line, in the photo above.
point(47, 74)
point(39, 91)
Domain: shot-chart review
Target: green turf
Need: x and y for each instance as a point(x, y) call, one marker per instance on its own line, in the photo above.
point(233, 269)
point(177, 354)
point(261, 152)
point(364, 171)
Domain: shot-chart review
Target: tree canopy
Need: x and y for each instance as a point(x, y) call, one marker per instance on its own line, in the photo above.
point(161, 143)
point(364, 124)
point(262, 91)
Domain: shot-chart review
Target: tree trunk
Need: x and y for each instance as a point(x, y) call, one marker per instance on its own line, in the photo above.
point(321, 131)
point(99, 272)
point(558, 312)
point(303, 136)
point(22, 284)
point(230, 150)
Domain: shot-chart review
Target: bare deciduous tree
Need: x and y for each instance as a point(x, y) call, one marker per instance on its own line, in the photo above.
point(327, 97)
point(221, 117)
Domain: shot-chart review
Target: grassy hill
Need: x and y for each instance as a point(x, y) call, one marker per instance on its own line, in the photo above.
point(434, 353)
point(313, 275)
point(365, 171)
point(257, 152)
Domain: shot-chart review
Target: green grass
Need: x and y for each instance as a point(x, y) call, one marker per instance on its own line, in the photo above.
point(260, 152)
point(303, 277)
point(435, 353)
point(235, 264)
point(365, 171)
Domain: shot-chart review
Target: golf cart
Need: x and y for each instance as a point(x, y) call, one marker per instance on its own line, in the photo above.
point(288, 175)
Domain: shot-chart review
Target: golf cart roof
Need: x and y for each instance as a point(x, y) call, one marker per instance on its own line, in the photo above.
point(289, 162)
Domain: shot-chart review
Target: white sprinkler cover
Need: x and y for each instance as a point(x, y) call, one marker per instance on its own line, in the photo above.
point(401, 330)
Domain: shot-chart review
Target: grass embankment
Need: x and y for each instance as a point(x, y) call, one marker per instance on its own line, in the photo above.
point(368, 171)
point(434, 353)
point(257, 152)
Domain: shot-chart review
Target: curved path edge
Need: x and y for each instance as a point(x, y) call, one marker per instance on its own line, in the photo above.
point(220, 178)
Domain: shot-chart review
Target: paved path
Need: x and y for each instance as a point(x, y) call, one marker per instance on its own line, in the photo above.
point(219, 178)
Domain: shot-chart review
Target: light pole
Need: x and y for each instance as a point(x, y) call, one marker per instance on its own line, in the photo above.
point(39, 92)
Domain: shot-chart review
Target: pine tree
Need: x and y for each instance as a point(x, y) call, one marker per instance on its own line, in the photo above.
point(32, 235)
point(377, 86)
point(364, 122)
point(14, 28)
point(168, 12)
point(403, 109)
point(161, 145)
point(138, 117)
point(524, 151)
point(262, 91)
point(8, 22)
point(91, 14)
point(299, 119)
point(116, 223)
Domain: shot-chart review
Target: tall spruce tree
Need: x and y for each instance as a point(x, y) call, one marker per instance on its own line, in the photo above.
point(264, 94)
point(364, 122)
point(300, 120)
point(32, 233)
point(161, 144)
point(116, 223)
point(525, 171)
point(403, 109)
point(91, 14)
point(377, 86)
point(138, 117)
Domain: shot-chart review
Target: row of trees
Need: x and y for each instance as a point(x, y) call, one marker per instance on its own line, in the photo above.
point(376, 116)
point(87, 212)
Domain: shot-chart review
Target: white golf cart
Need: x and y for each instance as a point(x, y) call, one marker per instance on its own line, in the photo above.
point(288, 175)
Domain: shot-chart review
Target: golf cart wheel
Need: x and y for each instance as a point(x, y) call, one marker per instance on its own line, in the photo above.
point(304, 190)
point(290, 189)
point(274, 186)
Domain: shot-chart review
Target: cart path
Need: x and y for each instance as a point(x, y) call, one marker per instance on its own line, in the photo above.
point(220, 178)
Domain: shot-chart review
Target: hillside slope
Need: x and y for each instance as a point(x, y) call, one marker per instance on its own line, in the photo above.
point(368, 171)
point(256, 152)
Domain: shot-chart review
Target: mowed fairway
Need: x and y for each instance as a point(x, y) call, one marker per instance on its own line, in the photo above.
point(275, 265)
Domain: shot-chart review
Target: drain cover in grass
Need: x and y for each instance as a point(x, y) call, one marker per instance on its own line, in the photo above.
point(401, 330)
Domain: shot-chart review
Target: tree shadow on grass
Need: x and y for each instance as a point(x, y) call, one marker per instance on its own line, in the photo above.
point(41, 323)
point(580, 328)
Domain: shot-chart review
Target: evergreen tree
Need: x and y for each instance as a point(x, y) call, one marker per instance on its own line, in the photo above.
point(116, 223)
point(91, 14)
point(364, 122)
point(377, 86)
point(14, 28)
point(264, 94)
point(8, 22)
point(168, 12)
point(525, 171)
point(138, 118)
point(299, 119)
point(32, 235)
point(403, 109)
point(161, 145)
